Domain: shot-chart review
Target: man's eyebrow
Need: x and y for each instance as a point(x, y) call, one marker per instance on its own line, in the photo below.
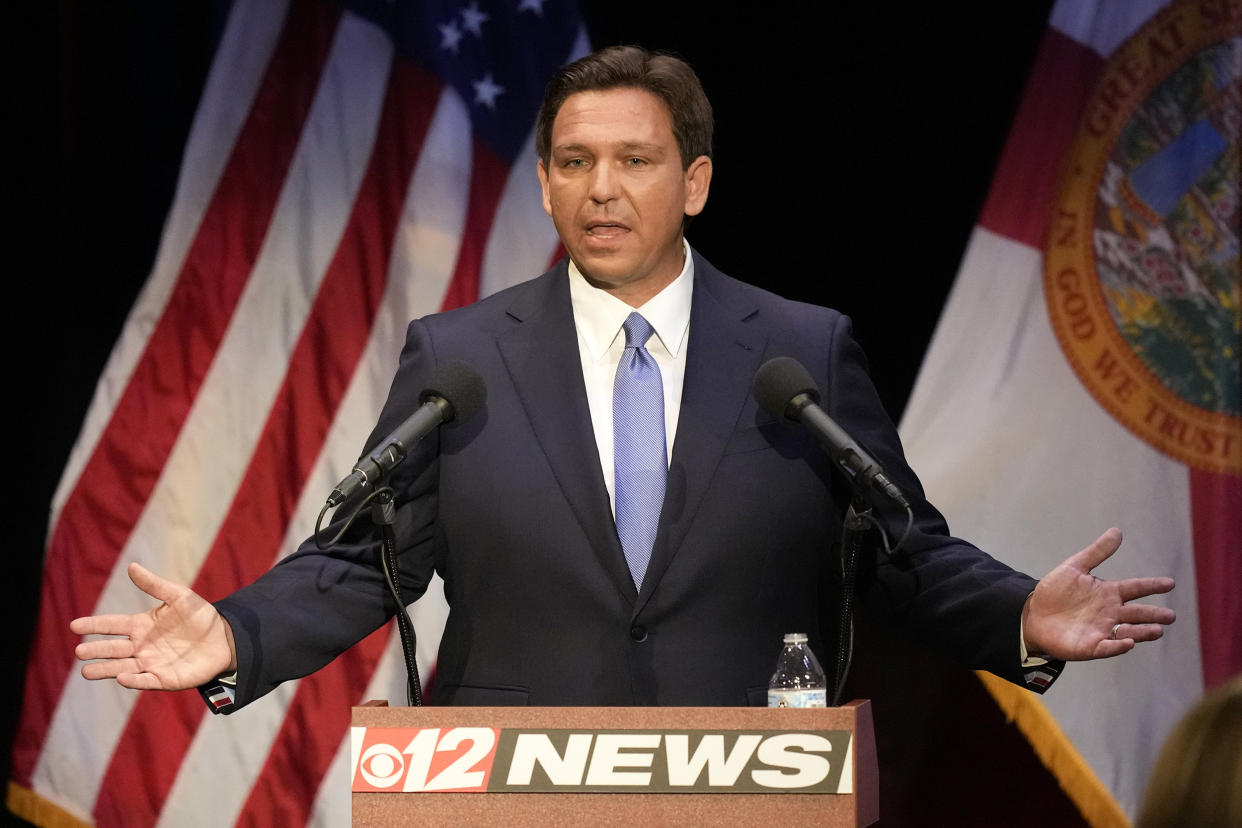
point(644, 147)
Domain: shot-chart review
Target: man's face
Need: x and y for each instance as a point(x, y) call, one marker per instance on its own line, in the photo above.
point(617, 191)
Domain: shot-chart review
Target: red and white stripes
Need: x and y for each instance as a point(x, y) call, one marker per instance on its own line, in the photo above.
point(330, 191)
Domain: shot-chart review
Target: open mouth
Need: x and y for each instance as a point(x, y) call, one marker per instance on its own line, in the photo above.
point(606, 230)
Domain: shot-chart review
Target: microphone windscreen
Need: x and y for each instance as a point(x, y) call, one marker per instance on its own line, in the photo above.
point(778, 381)
point(458, 384)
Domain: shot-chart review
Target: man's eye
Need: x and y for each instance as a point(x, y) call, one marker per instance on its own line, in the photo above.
point(575, 162)
point(636, 162)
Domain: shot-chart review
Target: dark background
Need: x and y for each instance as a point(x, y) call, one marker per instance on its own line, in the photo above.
point(855, 145)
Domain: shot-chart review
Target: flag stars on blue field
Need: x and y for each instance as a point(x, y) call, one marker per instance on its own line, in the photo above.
point(473, 19)
point(486, 91)
point(494, 54)
point(450, 37)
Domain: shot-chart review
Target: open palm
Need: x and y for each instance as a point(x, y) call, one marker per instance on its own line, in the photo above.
point(1075, 616)
point(179, 644)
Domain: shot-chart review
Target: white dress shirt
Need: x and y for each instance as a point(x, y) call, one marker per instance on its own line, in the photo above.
point(598, 316)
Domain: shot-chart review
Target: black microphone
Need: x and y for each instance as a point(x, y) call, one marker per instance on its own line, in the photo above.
point(455, 393)
point(786, 391)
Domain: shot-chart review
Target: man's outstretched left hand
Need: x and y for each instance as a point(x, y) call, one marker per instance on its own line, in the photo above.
point(1074, 616)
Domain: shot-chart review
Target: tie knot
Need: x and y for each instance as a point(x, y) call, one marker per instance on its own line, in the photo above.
point(637, 330)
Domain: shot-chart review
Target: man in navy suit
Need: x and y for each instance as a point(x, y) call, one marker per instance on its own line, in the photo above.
point(558, 592)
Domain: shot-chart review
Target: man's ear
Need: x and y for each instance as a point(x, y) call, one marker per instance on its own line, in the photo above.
point(698, 182)
point(542, 171)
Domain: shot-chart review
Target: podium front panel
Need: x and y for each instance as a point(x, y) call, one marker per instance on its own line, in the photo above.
point(607, 766)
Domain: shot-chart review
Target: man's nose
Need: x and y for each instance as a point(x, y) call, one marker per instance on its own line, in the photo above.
point(604, 183)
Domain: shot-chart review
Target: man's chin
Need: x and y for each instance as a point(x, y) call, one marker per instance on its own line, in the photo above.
point(605, 271)
point(604, 281)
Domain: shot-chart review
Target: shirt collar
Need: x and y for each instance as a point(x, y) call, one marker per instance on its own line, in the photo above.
point(598, 315)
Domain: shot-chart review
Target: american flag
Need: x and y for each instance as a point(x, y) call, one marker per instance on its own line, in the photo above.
point(350, 167)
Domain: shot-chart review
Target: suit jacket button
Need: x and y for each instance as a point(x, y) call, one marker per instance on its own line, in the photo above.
point(638, 632)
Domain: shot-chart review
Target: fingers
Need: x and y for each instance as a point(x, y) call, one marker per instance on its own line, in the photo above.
point(1138, 623)
point(1110, 647)
point(1132, 588)
point(1146, 614)
point(1139, 632)
point(153, 584)
point(1100, 550)
point(125, 671)
point(107, 648)
point(109, 669)
point(139, 681)
point(102, 625)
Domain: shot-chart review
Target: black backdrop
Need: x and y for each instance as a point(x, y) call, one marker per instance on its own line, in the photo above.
point(855, 144)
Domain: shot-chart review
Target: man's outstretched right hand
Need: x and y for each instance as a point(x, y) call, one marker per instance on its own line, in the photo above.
point(180, 644)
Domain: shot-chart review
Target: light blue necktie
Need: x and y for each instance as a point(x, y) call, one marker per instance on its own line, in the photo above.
point(640, 460)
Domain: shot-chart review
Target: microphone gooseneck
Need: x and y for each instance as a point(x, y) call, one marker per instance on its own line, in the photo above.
point(455, 393)
point(786, 390)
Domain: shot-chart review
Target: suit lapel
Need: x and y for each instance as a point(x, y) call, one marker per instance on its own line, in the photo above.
point(722, 357)
point(541, 354)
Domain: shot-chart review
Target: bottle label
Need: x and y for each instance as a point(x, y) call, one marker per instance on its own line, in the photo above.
point(806, 697)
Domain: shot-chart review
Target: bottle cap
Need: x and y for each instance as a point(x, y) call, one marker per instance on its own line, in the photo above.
point(795, 638)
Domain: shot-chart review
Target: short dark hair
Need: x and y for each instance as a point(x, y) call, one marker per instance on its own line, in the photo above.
point(668, 78)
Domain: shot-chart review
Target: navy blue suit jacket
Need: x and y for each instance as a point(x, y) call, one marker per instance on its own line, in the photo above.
point(511, 509)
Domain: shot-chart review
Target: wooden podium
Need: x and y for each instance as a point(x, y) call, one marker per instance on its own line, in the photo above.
point(612, 766)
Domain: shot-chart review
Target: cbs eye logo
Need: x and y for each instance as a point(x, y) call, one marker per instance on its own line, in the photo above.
point(382, 765)
point(457, 759)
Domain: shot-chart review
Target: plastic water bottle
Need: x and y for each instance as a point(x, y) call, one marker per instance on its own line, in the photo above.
point(799, 680)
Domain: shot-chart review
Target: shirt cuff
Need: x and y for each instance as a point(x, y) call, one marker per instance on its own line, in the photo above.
point(1038, 672)
point(1024, 656)
point(220, 693)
